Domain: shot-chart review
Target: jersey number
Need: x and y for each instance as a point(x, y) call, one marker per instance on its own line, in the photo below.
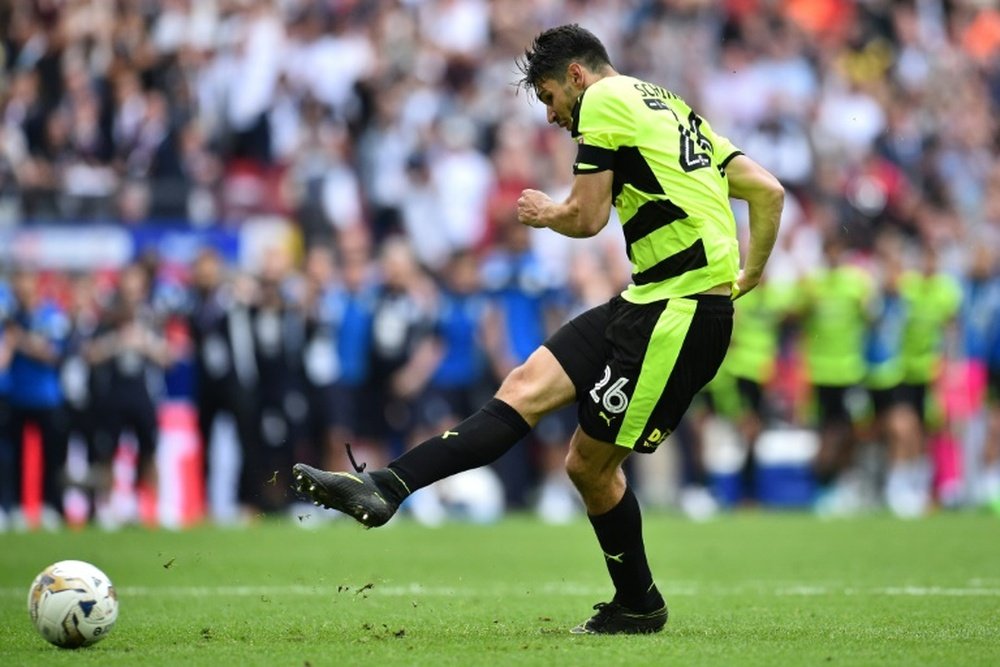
point(614, 400)
point(695, 149)
point(691, 141)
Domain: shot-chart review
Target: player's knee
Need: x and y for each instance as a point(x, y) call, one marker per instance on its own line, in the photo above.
point(522, 391)
point(581, 472)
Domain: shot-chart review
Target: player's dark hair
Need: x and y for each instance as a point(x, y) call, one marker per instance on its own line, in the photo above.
point(553, 50)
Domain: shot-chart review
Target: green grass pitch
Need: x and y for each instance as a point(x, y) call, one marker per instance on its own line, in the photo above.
point(746, 589)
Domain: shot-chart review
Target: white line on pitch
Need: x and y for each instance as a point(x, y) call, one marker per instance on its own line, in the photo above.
point(553, 588)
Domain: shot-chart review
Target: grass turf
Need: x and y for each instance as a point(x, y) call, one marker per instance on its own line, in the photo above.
point(743, 590)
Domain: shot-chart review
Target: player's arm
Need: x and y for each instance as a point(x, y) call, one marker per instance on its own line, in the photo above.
point(584, 213)
point(765, 197)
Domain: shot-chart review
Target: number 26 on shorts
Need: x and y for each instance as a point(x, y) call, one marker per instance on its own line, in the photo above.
point(612, 398)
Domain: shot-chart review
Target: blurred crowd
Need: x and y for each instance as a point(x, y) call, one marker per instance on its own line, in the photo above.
point(391, 134)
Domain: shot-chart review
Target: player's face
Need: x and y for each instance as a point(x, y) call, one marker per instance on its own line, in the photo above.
point(558, 99)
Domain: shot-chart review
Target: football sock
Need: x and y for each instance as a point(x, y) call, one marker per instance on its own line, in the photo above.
point(477, 441)
point(619, 533)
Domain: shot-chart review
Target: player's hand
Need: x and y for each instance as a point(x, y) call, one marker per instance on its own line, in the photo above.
point(530, 205)
point(744, 283)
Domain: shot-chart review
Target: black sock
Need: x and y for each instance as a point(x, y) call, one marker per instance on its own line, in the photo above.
point(477, 441)
point(619, 533)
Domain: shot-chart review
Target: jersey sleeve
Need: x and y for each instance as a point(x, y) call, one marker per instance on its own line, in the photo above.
point(601, 124)
point(723, 149)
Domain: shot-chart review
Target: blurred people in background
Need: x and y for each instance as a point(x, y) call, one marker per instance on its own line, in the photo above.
point(84, 388)
point(225, 368)
point(527, 306)
point(127, 355)
point(895, 422)
point(404, 349)
point(363, 121)
point(931, 301)
point(279, 401)
point(355, 301)
point(320, 313)
point(833, 306)
point(10, 494)
point(750, 364)
point(460, 377)
point(980, 324)
point(37, 332)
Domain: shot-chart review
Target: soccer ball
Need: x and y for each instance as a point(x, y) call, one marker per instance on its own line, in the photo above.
point(72, 604)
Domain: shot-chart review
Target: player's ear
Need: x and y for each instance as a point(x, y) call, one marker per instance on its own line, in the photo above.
point(575, 74)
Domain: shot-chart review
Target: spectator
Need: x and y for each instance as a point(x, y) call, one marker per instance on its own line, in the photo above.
point(129, 354)
point(527, 302)
point(354, 301)
point(225, 370)
point(9, 492)
point(83, 388)
point(404, 352)
point(37, 331)
point(279, 403)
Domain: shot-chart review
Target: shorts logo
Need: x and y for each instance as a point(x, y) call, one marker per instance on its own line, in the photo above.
point(605, 417)
point(655, 437)
point(612, 399)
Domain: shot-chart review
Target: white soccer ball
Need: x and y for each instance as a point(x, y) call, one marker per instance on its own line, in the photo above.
point(72, 604)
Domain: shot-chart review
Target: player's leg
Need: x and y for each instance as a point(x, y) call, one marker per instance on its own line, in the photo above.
point(547, 380)
point(145, 426)
point(664, 353)
point(531, 390)
point(52, 428)
point(637, 607)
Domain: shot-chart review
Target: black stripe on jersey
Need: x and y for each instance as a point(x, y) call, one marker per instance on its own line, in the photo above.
point(593, 159)
point(722, 165)
point(651, 216)
point(631, 168)
point(691, 258)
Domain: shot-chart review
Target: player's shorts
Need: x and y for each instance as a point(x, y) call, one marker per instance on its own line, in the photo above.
point(915, 396)
point(831, 404)
point(636, 367)
point(885, 399)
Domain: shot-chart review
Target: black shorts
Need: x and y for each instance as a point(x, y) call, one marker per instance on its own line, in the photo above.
point(636, 367)
point(885, 399)
point(915, 396)
point(831, 403)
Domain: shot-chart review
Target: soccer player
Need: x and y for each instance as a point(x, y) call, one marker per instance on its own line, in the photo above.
point(932, 300)
point(633, 363)
point(834, 305)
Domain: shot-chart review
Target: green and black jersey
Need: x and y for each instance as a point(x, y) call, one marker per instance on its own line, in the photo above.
point(669, 189)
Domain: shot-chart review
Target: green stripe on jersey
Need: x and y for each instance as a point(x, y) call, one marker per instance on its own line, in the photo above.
point(657, 365)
